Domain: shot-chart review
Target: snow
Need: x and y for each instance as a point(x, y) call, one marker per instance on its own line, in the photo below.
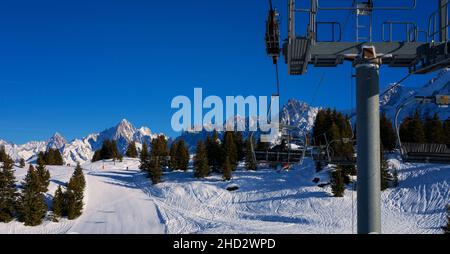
point(123, 201)
point(82, 150)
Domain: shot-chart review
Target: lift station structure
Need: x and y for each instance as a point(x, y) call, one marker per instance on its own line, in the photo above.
point(421, 52)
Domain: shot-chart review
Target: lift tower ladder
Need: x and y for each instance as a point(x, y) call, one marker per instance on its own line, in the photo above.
point(367, 55)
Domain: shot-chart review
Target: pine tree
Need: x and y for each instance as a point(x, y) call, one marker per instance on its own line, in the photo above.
point(43, 176)
point(3, 154)
point(131, 150)
point(75, 194)
point(240, 145)
point(227, 169)
point(22, 163)
point(97, 156)
point(182, 155)
point(214, 151)
point(415, 129)
point(32, 206)
point(385, 174)
point(447, 132)
point(8, 191)
point(434, 132)
point(250, 163)
point(229, 150)
point(337, 182)
point(173, 163)
point(59, 161)
point(388, 135)
point(58, 207)
point(155, 169)
point(144, 158)
point(201, 166)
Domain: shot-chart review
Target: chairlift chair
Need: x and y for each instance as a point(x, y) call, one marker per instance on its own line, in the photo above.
point(290, 150)
point(423, 152)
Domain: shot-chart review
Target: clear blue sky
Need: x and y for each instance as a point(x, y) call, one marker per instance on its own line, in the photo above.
point(78, 66)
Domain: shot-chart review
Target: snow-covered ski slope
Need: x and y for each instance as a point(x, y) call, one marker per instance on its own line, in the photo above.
point(123, 201)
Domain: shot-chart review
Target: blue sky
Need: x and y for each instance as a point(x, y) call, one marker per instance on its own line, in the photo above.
point(76, 67)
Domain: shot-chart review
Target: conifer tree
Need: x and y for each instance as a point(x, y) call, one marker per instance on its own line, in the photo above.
point(388, 135)
point(182, 155)
point(8, 191)
point(250, 163)
point(131, 150)
point(173, 163)
point(97, 156)
point(240, 145)
point(214, 151)
point(58, 159)
point(22, 163)
point(227, 169)
point(229, 150)
point(144, 158)
point(3, 154)
point(385, 175)
point(447, 132)
point(415, 129)
point(75, 194)
point(155, 169)
point(58, 207)
point(201, 166)
point(434, 132)
point(157, 158)
point(32, 206)
point(337, 182)
point(43, 176)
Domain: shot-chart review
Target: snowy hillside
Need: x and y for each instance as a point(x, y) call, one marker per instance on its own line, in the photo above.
point(395, 98)
point(120, 199)
point(82, 150)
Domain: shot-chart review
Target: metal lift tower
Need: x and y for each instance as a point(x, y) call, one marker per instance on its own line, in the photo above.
point(420, 56)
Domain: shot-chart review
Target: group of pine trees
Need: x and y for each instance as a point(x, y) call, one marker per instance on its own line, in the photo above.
point(332, 125)
point(108, 151)
point(69, 203)
point(30, 206)
point(179, 156)
point(51, 157)
point(431, 130)
point(222, 155)
point(155, 160)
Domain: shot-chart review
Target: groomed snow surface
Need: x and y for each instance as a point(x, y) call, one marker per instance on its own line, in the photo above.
point(123, 201)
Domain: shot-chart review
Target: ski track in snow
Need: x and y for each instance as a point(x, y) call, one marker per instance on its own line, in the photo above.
point(123, 201)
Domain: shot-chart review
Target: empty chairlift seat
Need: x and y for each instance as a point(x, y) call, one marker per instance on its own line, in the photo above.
point(434, 153)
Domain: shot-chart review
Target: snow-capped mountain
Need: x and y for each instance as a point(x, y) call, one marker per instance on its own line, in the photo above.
point(300, 115)
point(295, 113)
point(397, 97)
point(82, 150)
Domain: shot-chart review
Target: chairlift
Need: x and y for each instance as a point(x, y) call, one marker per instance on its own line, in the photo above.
point(290, 150)
point(328, 155)
point(273, 34)
point(423, 152)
